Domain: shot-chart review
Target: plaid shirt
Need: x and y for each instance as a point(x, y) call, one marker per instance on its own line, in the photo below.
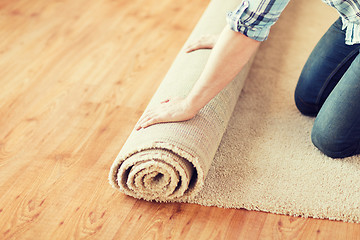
point(254, 18)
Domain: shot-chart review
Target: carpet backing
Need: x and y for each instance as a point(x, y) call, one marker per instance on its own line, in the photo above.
point(249, 147)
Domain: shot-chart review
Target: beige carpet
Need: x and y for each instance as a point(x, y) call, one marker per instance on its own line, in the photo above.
point(252, 151)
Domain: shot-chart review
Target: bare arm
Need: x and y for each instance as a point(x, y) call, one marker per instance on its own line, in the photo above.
point(231, 52)
point(229, 55)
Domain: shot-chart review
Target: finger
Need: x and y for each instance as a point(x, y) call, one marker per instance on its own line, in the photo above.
point(192, 47)
point(149, 122)
point(189, 49)
point(199, 47)
point(144, 118)
point(140, 124)
point(140, 120)
point(151, 114)
point(148, 112)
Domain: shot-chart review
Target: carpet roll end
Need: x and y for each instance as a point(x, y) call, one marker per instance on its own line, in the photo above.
point(156, 174)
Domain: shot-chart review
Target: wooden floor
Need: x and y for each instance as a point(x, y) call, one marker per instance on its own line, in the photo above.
point(75, 77)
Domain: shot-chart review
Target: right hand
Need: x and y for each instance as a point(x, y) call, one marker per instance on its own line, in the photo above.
point(204, 42)
point(169, 110)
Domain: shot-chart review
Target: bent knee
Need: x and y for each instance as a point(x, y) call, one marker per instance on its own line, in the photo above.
point(306, 108)
point(332, 145)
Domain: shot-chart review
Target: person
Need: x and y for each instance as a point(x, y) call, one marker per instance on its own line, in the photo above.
point(328, 87)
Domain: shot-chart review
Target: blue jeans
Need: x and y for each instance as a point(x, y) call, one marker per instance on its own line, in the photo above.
point(329, 88)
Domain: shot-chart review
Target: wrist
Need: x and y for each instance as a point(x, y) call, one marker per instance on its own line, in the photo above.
point(192, 105)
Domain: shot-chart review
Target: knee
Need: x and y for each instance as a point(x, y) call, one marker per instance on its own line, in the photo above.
point(305, 95)
point(305, 107)
point(331, 144)
point(324, 144)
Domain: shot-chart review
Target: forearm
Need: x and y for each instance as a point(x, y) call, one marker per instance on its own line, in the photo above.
point(229, 55)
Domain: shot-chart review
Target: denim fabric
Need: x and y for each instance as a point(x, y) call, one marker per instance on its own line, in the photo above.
point(329, 88)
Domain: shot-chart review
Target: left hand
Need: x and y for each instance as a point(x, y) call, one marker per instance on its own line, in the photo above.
point(204, 42)
point(170, 110)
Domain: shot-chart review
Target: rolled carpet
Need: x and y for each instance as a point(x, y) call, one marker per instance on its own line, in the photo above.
point(265, 160)
point(170, 161)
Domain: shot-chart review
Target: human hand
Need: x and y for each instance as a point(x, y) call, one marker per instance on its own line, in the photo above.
point(170, 110)
point(204, 42)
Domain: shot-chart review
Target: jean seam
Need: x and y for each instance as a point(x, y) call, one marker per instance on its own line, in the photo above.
point(318, 98)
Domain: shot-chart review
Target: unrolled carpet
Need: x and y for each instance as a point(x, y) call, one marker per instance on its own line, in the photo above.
point(252, 151)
